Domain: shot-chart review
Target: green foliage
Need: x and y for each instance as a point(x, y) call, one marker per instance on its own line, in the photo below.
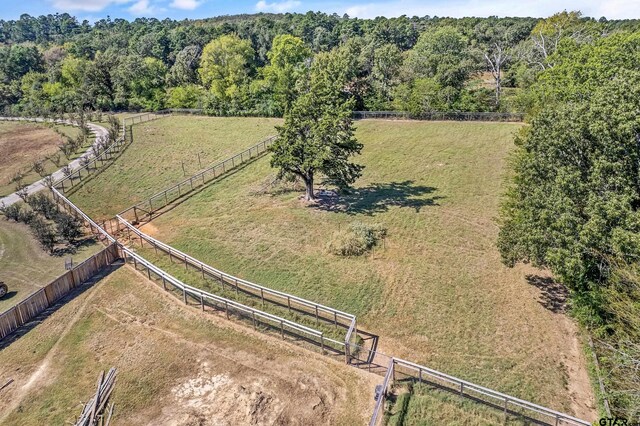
point(11, 212)
point(441, 54)
point(68, 227)
point(318, 135)
point(44, 233)
point(574, 200)
point(189, 96)
point(357, 239)
point(42, 204)
point(225, 66)
point(286, 67)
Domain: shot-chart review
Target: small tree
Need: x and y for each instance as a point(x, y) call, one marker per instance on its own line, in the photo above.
point(44, 233)
point(318, 134)
point(11, 212)
point(68, 227)
point(38, 167)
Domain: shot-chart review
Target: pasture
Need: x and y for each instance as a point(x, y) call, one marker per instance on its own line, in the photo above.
point(435, 292)
point(163, 152)
point(25, 267)
point(175, 366)
point(21, 144)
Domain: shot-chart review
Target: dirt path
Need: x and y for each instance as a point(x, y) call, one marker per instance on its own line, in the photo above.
point(583, 403)
point(40, 376)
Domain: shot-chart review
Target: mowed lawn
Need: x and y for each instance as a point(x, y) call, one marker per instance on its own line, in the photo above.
point(24, 266)
point(162, 153)
point(175, 365)
point(437, 292)
point(22, 144)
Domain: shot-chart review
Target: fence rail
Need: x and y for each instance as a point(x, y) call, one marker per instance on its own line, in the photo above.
point(204, 298)
point(96, 161)
point(397, 370)
point(400, 370)
point(42, 299)
point(437, 115)
point(320, 312)
point(145, 209)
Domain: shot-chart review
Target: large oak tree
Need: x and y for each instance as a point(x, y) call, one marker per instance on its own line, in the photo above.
point(318, 134)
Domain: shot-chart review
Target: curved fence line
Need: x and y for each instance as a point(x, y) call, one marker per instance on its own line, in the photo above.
point(107, 154)
point(204, 298)
point(332, 315)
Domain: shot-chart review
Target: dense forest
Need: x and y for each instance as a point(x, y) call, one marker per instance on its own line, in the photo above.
point(250, 64)
point(573, 197)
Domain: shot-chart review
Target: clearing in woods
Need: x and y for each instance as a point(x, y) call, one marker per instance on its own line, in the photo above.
point(25, 267)
point(436, 294)
point(175, 366)
point(21, 144)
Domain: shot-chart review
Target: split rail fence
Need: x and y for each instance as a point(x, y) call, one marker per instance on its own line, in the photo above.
point(395, 370)
point(42, 299)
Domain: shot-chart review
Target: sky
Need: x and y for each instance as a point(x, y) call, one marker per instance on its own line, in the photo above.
point(93, 10)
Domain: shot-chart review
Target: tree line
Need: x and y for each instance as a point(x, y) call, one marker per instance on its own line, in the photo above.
point(252, 64)
point(572, 205)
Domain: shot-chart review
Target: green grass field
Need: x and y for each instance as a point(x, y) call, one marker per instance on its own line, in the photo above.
point(25, 267)
point(436, 294)
point(162, 152)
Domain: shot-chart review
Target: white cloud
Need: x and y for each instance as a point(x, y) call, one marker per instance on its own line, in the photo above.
point(612, 9)
point(141, 7)
point(185, 4)
point(86, 5)
point(277, 6)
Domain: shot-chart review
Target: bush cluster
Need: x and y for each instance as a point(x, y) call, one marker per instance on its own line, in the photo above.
point(48, 225)
point(356, 239)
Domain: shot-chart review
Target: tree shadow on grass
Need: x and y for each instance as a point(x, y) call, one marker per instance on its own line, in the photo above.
point(378, 197)
point(553, 294)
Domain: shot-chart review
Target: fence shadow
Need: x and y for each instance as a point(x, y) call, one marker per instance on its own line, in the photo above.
point(378, 197)
point(77, 291)
point(553, 294)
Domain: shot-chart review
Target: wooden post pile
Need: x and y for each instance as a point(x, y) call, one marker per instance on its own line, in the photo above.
point(95, 412)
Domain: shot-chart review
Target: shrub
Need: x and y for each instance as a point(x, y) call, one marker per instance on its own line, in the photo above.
point(68, 227)
point(40, 203)
point(356, 239)
point(12, 211)
point(44, 233)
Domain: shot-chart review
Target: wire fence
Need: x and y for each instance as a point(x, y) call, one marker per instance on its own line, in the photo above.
point(440, 116)
point(145, 209)
point(399, 371)
point(261, 321)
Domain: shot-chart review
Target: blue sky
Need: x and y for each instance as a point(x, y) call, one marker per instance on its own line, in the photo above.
point(178, 9)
